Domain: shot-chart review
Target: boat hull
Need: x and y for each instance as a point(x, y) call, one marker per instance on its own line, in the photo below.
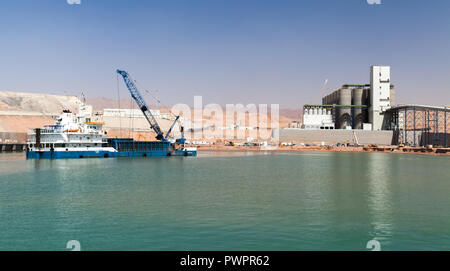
point(105, 154)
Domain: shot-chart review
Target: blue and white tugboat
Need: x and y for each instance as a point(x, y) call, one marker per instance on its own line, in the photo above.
point(77, 136)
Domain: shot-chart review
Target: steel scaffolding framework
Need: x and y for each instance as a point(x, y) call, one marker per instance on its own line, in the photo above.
point(419, 125)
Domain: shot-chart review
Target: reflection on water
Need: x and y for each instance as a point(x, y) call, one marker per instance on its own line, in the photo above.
point(232, 153)
point(380, 176)
point(9, 163)
point(5, 157)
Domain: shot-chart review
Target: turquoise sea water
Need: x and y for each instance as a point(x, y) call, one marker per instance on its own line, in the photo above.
point(227, 201)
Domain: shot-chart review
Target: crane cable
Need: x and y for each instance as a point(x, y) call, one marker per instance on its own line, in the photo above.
point(155, 98)
point(131, 131)
point(180, 125)
point(118, 101)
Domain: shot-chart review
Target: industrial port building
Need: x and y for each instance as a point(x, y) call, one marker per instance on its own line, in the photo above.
point(369, 112)
point(354, 106)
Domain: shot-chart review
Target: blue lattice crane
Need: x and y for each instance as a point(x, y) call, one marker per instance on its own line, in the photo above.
point(146, 110)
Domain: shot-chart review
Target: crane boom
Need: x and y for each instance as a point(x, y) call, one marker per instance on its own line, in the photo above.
point(142, 105)
point(171, 127)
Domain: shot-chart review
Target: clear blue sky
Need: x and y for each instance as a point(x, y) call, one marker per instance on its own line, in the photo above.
point(245, 51)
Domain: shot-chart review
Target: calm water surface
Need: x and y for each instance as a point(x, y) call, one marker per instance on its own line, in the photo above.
point(227, 201)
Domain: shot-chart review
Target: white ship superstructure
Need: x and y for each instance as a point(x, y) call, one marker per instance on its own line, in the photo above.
point(71, 132)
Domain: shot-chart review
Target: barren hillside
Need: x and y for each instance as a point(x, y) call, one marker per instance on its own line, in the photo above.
point(45, 104)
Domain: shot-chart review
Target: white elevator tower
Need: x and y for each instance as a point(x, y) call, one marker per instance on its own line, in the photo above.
point(380, 95)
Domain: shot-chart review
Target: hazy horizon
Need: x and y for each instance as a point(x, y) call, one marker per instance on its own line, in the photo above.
point(246, 52)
